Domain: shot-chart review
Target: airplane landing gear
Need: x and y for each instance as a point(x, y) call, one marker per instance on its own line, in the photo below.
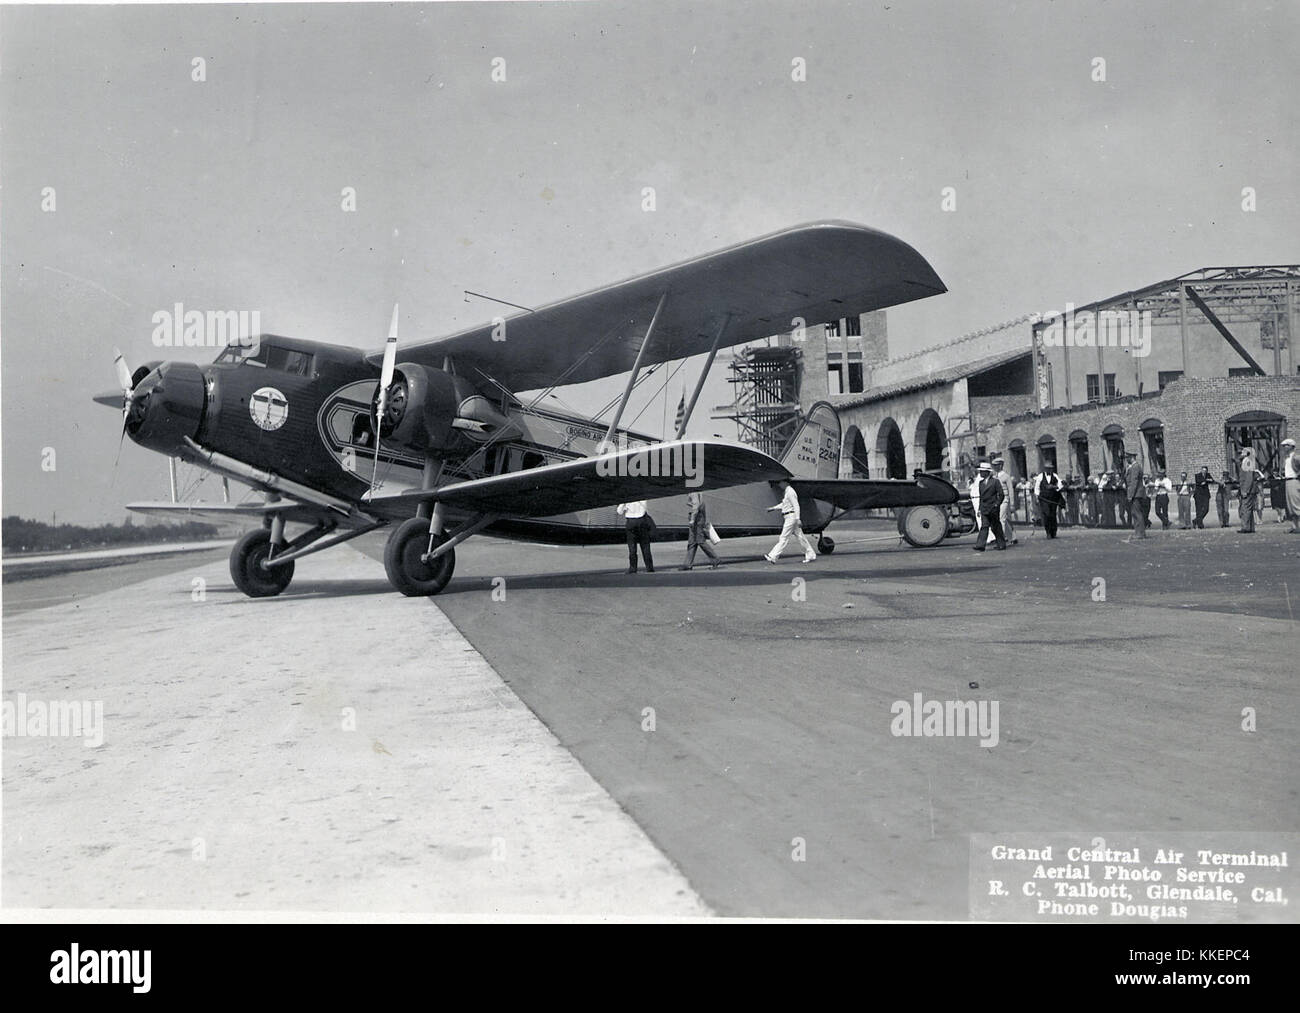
point(825, 545)
point(247, 571)
point(402, 560)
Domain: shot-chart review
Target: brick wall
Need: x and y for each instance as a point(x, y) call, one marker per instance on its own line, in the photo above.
point(1193, 412)
point(991, 410)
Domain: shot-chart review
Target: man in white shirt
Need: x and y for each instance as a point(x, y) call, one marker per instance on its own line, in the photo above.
point(1184, 503)
point(789, 507)
point(638, 533)
point(1163, 489)
point(1291, 474)
point(1050, 495)
point(1008, 498)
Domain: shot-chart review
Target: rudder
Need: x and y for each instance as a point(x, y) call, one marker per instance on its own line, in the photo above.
point(815, 450)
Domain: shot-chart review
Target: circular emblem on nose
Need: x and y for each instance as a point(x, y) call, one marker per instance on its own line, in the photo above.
point(268, 407)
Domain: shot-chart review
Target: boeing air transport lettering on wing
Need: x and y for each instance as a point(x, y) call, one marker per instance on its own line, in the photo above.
point(431, 441)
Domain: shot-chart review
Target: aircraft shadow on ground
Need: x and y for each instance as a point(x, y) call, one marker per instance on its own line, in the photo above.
point(308, 589)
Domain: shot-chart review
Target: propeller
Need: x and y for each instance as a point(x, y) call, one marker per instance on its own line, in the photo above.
point(124, 381)
point(385, 379)
point(123, 373)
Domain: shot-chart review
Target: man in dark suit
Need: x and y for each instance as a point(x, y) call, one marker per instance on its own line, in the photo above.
point(1201, 496)
point(1135, 488)
point(990, 498)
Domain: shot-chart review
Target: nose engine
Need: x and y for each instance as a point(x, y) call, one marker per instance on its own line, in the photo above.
point(165, 406)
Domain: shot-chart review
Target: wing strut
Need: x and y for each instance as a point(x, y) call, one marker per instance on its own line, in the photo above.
point(699, 386)
point(636, 368)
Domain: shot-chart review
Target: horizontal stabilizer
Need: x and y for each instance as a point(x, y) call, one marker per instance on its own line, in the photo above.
point(874, 493)
point(647, 472)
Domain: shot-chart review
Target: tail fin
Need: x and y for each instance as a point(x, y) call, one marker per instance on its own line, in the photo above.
point(815, 450)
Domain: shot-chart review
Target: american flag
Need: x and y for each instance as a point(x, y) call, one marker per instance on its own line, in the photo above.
point(681, 411)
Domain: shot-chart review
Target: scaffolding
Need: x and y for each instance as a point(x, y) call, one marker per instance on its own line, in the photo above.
point(765, 406)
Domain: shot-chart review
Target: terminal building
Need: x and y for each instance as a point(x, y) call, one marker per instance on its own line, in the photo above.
point(1184, 372)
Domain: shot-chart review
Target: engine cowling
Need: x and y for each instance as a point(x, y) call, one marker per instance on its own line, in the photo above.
point(421, 409)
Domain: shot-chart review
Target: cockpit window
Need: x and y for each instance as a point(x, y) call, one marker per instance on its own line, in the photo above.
point(232, 355)
point(287, 360)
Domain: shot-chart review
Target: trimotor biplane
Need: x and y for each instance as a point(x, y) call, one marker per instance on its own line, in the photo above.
point(435, 444)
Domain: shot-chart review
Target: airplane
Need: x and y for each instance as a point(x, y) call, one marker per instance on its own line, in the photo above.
point(435, 445)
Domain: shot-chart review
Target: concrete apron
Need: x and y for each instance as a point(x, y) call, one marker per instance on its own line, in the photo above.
point(343, 750)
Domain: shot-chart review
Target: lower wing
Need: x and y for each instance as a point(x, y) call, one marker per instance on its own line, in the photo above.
point(634, 473)
point(305, 513)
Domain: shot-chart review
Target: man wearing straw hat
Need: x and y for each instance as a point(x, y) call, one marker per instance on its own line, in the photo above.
point(1291, 476)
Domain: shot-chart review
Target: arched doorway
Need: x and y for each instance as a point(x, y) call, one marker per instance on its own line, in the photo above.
point(1079, 463)
point(931, 439)
point(1113, 436)
point(889, 445)
point(1018, 467)
point(1153, 436)
point(1262, 431)
point(1046, 451)
point(854, 454)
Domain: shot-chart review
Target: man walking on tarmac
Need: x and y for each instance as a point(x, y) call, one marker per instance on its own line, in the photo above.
point(1048, 492)
point(790, 527)
point(1008, 500)
point(990, 508)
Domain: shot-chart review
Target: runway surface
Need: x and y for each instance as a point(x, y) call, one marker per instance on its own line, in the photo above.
point(742, 719)
point(773, 715)
point(59, 587)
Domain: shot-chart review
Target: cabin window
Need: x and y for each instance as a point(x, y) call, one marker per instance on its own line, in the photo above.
point(363, 430)
point(289, 360)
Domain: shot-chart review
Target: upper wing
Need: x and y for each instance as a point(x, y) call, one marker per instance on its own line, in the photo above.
point(818, 272)
point(871, 493)
point(679, 466)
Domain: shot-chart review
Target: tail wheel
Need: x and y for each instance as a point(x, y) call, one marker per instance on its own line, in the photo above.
point(923, 526)
point(825, 545)
point(406, 571)
point(246, 568)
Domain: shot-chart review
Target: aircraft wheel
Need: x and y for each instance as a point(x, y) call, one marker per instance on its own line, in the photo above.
point(825, 545)
point(923, 526)
point(406, 572)
point(246, 566)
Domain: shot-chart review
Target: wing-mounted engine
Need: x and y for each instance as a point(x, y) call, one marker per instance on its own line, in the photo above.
point(436, 413)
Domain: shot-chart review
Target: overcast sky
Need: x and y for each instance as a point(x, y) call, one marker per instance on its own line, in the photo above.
point(226, 193)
